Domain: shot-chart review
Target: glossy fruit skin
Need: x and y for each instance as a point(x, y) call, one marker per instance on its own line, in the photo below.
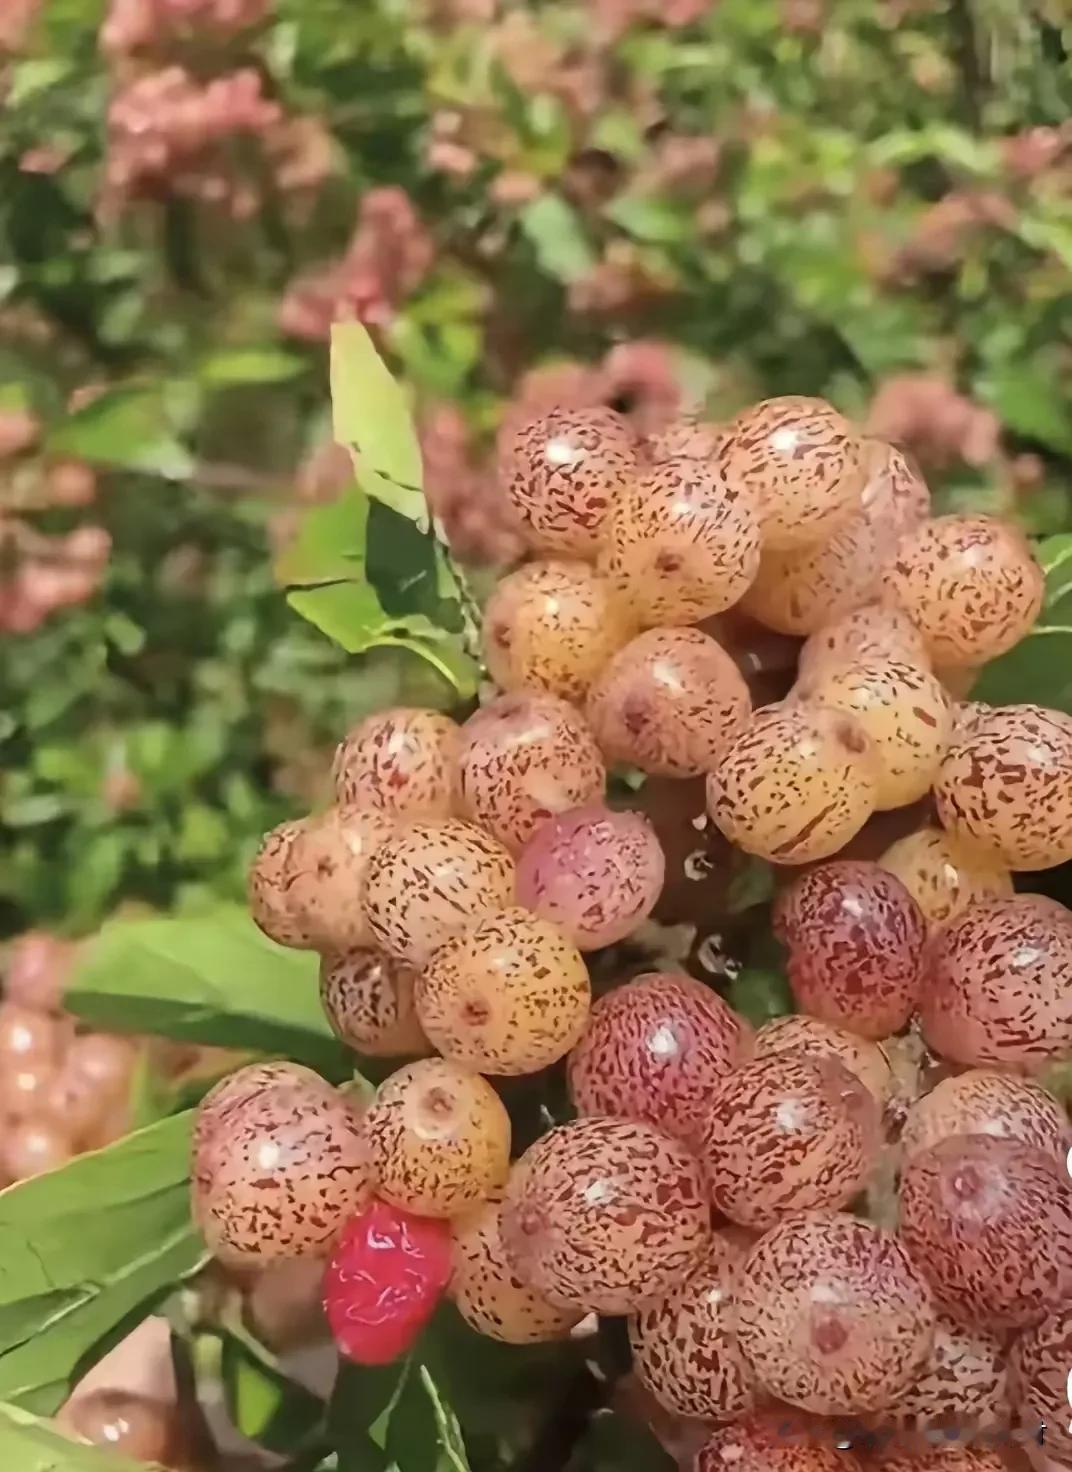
point(767, 1446)
point(550, 627)
point(982, 1102)
point(430, 879)
point(326, 871)
point(594, 872)
point(524, 758)
point(399, 761)
point(785, 1134)
point(279, 1164)
point(1007, 785)
point(508, 994)
point(855, 940)
point(682, 543)
point(654, 1050)
point(795, 785)
point(267, 889)
point(989, 1223)
point(126, 1425)
point(563, 472)
point(438, 1138)
point(488, 1293)
point(943, 874)
point(683, 439)
point(970, 584)
point(387, 1273)
point(871, 632)
point(669, 703)
point(963, 1380)
point(799, 590)
point(369, 1000)
point(685, 1345)
point(998, 984)
point(1039, 1367)
point(817, 1039)
point(833, 1315)
point(803, 462)
point(34, 1145)
point(602, 1215)
point(895, 498)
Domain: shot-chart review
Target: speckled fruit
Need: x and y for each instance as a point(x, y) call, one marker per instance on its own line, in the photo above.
point(798, 1033)
point(833, 1315)
point(998, 984)
point(488, 1293)
point(683, 439)
point(1039, 1367)
point(524, 758)
point(804, 463)
point(798, 590)
point(399, 761)
point(508, 994)
point(963, 1381)
point(563, 472)
point(988, 1222)
point(765, 1446)
point(788, 1133)
point(981, 1102)
point(903, 709)
point(969, 583)
point(326, 872)
point(604, 1214)
point(945, 1459)
point(685, 1345)
point(795, 785)
point(669, 703)
point(1008, 786)
point(369, 1000)
point(871, 632)
point(596, 873)
point(279, 1164)
point(895, 498)
point(438, 1138)
point(654, 1050)
point(552, 626)
point(429, 880)
point(855, 939)
point(682, 543)
point(944, 874)
point(270, 903)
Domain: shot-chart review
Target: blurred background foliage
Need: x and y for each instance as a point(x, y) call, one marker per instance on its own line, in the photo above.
point(660, 204)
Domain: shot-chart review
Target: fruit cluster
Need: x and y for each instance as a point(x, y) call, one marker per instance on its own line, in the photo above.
point(713, 1184)
point(137, 25)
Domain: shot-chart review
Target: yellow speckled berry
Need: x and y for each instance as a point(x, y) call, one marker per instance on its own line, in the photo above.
point(399, 761)
point(488, 1293)
point(326, 872)
point(944, 874)
point(800, 589)
point(799, 1033)
point(871, 632)
point(369, 1001)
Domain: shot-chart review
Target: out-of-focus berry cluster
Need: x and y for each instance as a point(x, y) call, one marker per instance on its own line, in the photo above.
point(142, 25)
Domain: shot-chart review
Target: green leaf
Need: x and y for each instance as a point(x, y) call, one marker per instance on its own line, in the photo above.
point(555, 232)
point(649, 218)
point(752, 884)
point(1039, 669)
point(250, 365)
point(371, 416)
point(28, 1444)
point(330, 544)
point(85, 1246)
point(448, 1431)
point(760, 993)
point(211, 979)
point(127, 427)
point(1030, 401)
point(263, 1403)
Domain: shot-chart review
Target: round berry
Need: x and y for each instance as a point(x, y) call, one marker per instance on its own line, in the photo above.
point(488, 1293)
point(399, 761)
point(981, 1102)
point(895, 498)
point(768, 1445)
point(798, 1033)
point(873, 632)
point(963, 1380)
point(943, 874)
point(369, 1001)
point(326, 872)
point(798, 590)
point(270, 902)
point(1039, 1367)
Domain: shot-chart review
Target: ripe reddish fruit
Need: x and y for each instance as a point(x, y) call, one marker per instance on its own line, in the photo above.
point(386, 1275)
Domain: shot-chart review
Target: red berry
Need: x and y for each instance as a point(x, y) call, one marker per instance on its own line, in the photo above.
point(385, 1277)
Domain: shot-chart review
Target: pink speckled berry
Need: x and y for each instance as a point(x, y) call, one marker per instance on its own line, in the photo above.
point(523, 759)
point(438, 1138)
point(1039, 1367)
point(988, 1222)
point(552, 626)
point(943, 874)
point(279, 1165)
point(682, 543)
point(399, 761)
point(369, 1000)
point(269, 899)
point(798, 590)
point(655, 1048)
point(833, 1315)
point(508, 994)
point(855, 938)
point(765, 1444)
point(326, 871)
point(804, 463)
point(685, 1345)
point(594, 872)
point(563, 472)
point(429, 880)
point(963, 1381)
point(998, 984)
point(604, 1214)
point(895, 498)
point(795, 785)
point(669, 703)
point(947, 1459)
point(982, 1102)
point(488, 1293)
point(799, 1033)
point(871, 632)
point(970, 583)
point(1007, 785)
point(788, 1133)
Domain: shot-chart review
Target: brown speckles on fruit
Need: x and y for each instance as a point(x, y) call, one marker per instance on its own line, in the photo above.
point(399, 761)
point(963, 1381)
point(438, 1138)
point(269, 902)
point(369, 1000)
point(800, 589)
point(895, 498)
point(765, 1444)
point(325, 874)
point(871, 632)
point(982, 1102)
point(821, 1040)
point(506, 995)
point(564, 471)
point(488, 1293)
point(605, 1214)
point(944, 874)
point(1038, 1380)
